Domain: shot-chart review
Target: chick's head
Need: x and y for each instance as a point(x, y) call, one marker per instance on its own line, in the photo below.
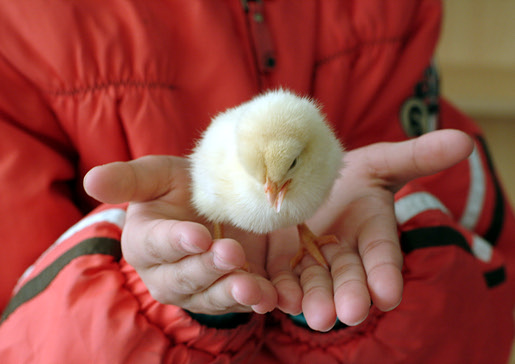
point(285, 144)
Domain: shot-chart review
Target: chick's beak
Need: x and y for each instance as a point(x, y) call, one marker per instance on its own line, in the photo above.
point(274, 194)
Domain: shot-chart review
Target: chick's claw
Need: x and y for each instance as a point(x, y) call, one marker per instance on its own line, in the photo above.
point(310, 244)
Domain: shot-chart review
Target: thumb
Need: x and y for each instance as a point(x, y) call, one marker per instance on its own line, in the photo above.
point(143, 179)
point(398, 163)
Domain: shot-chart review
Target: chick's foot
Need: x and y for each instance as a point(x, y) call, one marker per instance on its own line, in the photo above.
point(310, 244)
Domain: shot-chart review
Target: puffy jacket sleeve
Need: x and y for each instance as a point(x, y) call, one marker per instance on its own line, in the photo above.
point(82, 301)
point(36, 174)
point(457, 233)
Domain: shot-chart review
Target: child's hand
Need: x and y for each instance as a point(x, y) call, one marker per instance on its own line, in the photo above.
point(174, 255)
point(366, 265)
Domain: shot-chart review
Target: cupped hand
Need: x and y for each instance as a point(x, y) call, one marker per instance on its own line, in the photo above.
point(172, 250)
point(366, 265)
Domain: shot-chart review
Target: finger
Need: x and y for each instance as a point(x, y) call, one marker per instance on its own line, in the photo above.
point(147, 241)
point(268, 301)
point(425, 155)
point(143, 179)
point(318, 301)
point(283, 245)
point(372, 230)
point(236, 292)
point(381, 257)
point(289, 292)
point(373, 227)
point(351, 296)
point(169, 283)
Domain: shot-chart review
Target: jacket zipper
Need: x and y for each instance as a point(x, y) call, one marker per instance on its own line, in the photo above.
point(261, 38)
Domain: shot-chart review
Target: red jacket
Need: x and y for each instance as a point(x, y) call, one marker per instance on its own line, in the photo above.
point(84, 84)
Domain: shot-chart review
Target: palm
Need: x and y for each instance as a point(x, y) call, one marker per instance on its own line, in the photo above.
point(175, 205)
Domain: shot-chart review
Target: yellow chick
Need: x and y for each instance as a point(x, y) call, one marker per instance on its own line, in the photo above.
point(266, 164)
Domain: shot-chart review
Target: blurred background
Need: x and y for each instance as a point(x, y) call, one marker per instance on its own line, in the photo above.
point(476, 59)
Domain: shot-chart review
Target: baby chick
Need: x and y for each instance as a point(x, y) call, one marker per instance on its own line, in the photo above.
point(266, 164)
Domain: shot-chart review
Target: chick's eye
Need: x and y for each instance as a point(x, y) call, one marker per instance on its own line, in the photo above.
point(293, 164)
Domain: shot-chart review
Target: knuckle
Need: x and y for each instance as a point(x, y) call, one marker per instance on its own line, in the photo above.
point(378, 245)
point(313, 276)
point(356, 282)
point(376, 269)
point(162, 295)
point(346, 269)
point(150, 248)
point(215, 303)
point(185, 283)
point(162, 286)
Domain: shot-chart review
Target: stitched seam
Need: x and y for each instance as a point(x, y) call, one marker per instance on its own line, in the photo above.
point(105, 85)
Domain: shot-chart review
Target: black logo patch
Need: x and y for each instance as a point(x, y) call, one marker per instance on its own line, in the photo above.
point(419, 113)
